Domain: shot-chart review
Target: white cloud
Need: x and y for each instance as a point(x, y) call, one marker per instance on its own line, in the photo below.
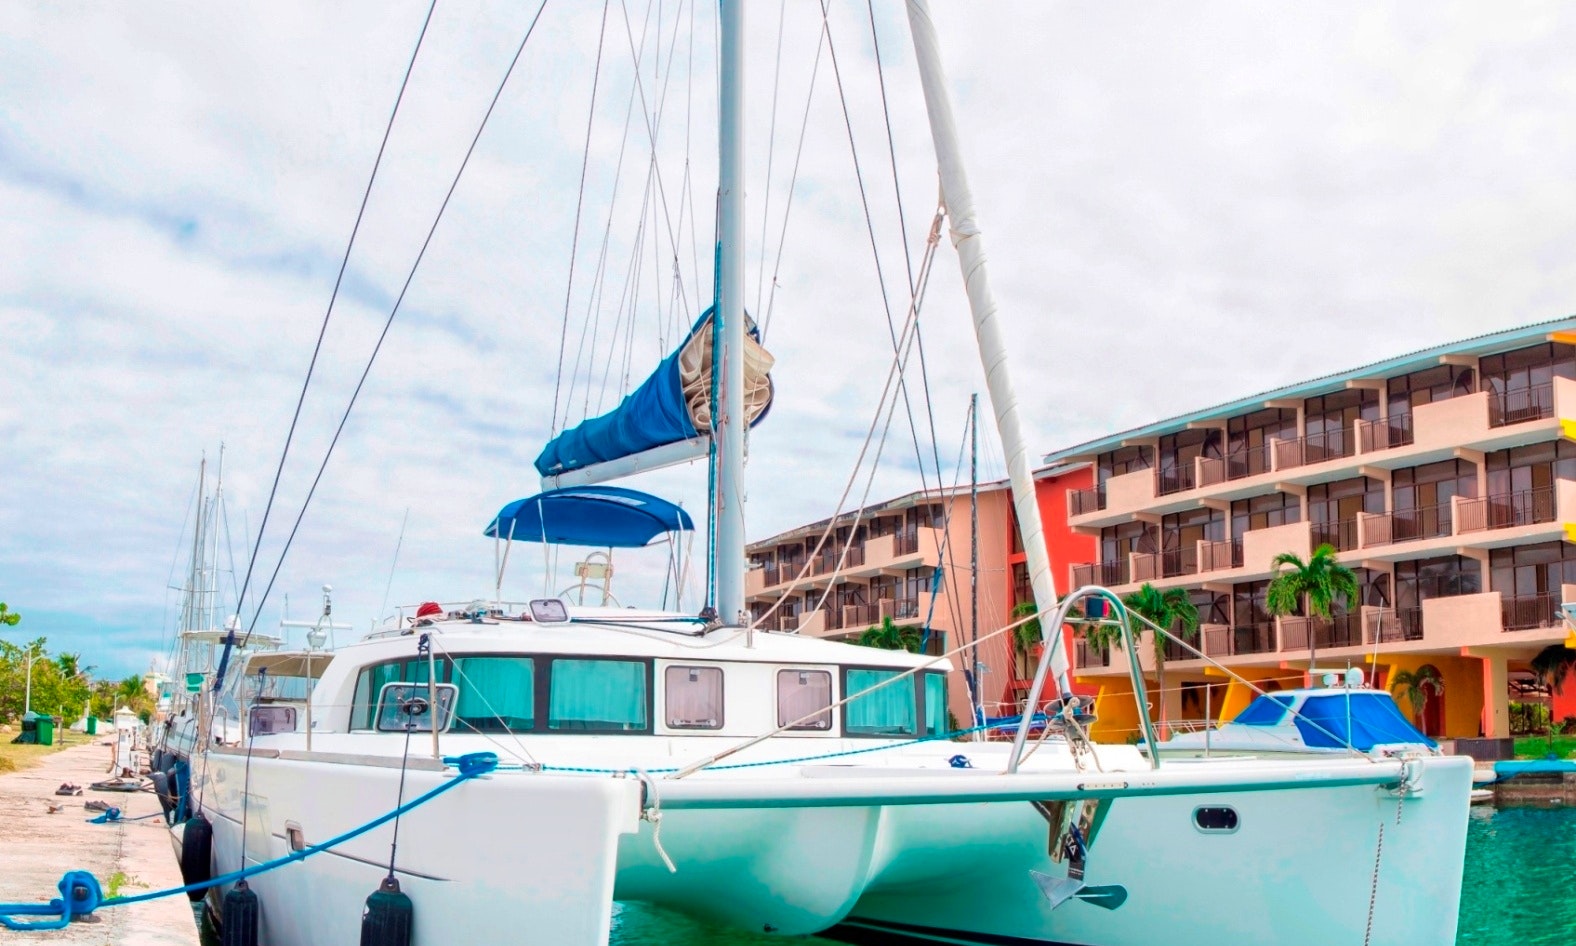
point(1182, 205)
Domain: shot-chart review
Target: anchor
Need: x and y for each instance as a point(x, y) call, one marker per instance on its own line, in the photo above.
point(1074, 825)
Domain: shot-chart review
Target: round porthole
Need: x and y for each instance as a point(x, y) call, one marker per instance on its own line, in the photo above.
point(1215, 819)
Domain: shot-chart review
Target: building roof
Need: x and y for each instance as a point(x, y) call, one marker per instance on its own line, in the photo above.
point(1477, 345)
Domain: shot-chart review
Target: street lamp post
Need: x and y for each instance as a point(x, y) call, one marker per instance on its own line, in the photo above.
point(27, 699)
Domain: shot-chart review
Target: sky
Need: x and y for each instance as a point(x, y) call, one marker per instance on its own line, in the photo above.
point(1182, 204)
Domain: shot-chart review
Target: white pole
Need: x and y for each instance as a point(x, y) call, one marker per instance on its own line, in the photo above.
point(730, 423)
point(27, 699)
point(966, 239)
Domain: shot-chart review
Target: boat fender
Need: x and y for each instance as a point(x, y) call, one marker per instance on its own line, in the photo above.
point(389, 916)
point(196, 853)
point(960, 761)
point(161, 760)
point(239, 922)
point(161, 788)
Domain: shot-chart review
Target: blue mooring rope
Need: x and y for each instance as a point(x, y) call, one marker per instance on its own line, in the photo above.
point(80, 893)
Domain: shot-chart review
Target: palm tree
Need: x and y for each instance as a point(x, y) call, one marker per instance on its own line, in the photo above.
point(1551, 666)
point(1310, 587)
point(1414, 681)
point(8, 618)
point(889, 636)
point(1171, 609)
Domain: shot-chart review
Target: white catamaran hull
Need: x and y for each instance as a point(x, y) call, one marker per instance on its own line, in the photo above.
point(800, 855)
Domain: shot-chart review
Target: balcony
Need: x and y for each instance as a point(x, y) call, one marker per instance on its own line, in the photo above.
point(1219, 556)
point(1529, 612)
point(1081, 501)
point(1260, 546)
point(900, 609)
point(1344, 630)
point(1176, 479)
point(856, 616)
point(1405, 525)
point(1172, 563)
point(1108, 574)
point(1215, 640)
point(1506, 510)
point(826, 561)
point(1385, 434)
point(1314, 448)
point(1342, 534)
point(1520, 406)
point(1254, 638)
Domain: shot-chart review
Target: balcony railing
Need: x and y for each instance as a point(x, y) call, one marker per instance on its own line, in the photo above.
point(1411, 621)
point(1101, 573)
point(1523, 404)
point(1215, 556)
point(1086, 654)
point(1524, 612)
point(861, 615)
point(1344, 630)
point(1507, 510)
point(1249, 461)
point(1175, 479)
point(1175, 651)
point(1256, 638)
point(903, 609)
point(1341, 533)
point(1314, 448)
point(769, 573)
point(1384, 434)
point(906, 542)
point(1380, 626)
point(1081, 501)
point(1407, 525)
point(1182, 561)
point(773, 622)
point(834, 617)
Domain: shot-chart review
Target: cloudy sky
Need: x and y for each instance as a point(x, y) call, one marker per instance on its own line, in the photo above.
point(1182, 204)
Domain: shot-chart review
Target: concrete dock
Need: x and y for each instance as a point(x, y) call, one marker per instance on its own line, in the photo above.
point(37, 847)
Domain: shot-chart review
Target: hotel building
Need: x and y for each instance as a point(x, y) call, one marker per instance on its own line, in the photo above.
point(908, 558)
point(1445, 479)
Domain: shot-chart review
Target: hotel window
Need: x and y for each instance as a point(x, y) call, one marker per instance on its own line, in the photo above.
point(1528, 367)
point(1331, 421)
point(1214, 607)
point(694, 697)
point(1333, 509)
point(1264, 512)
point(802, 692)
point(1532, 569)
point(1443, 577)
point(1427, 386)
point(1180, 534)
point(1248, 439)
point(1125, 460)
point(1432, 484)
point(1177, 453)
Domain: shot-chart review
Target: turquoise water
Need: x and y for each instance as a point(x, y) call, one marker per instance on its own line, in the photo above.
point(1520, 889)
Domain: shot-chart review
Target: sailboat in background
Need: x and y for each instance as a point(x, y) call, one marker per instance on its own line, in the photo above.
point(769, 781)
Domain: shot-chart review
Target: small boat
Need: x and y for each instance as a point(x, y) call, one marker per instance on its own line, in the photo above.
point(1310, 721)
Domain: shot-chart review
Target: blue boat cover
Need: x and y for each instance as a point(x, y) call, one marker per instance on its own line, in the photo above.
point(605, 516)
point(1361, 720)
point(652, 416)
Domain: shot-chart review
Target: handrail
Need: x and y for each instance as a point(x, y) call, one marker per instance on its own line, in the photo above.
point(1051, 635)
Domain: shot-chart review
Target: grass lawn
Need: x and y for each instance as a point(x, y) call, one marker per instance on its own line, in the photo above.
point(14, 757)
point(1536, 747)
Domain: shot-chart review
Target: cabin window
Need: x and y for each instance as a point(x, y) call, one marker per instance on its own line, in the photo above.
point(588, 695)
point(409, 706)
point(371, 680)
point(694, 697)
point(935, 704)
point(497, 694)
point(802, 692)
point(889, 711)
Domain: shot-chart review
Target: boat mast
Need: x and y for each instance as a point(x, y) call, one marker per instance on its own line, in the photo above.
point(975, 684)
point(993, 350)
point(728, 421)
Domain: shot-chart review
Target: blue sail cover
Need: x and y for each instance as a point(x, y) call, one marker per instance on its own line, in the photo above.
point(1360, 720)
point(653, 415)
point(606, 516)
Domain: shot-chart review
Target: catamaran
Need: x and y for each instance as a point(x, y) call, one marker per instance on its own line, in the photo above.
point(768, 781)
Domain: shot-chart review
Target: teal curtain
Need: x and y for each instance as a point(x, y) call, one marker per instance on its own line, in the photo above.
point(597, 696)
point(497, 694)
point(935, 704)
point(890, 711)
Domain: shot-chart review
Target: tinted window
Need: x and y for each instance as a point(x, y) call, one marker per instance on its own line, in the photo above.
point(586, 695)
point(935, 704)
point(889, 711)
point(1264, 711)
point(497, 694)
point(694, 697)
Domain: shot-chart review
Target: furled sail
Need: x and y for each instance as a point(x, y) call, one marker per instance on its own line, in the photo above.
point(673, 405)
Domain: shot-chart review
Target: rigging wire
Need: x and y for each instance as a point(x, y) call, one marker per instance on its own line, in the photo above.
point(771, 152)
point(793, 180)
point(389, 322)
point(574, 241)
point(398, 544)
point(323, 331)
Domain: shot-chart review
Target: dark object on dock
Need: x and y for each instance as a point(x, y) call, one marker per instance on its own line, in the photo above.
point(389, 916)
point(1483, 750)
point(197, 854)
point(161, 788)
point(241, 910)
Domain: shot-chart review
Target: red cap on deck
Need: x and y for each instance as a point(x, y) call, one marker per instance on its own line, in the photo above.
point(429, 609)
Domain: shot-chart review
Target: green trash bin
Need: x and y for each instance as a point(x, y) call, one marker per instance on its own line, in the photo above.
point(93, 725)
point(46, 731)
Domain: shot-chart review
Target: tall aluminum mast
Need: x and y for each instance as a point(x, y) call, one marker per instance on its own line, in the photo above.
point(730, 424)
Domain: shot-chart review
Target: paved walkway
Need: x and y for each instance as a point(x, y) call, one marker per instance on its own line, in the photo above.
point(37, 847)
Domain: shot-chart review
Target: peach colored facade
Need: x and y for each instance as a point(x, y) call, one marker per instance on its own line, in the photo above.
point(1446, 479)
point(909, 559)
